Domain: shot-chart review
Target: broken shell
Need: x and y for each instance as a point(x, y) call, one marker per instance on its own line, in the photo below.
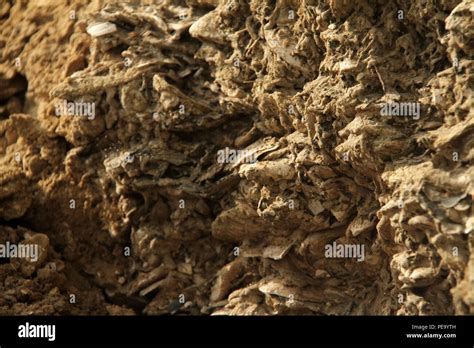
point(463, 205)
point(423, 276)
point(451, 201)
point(101, 29)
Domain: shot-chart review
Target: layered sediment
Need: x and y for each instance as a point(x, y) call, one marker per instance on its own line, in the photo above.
point(237, 157)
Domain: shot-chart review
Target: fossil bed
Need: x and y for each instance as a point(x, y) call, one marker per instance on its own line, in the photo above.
point(134, 214)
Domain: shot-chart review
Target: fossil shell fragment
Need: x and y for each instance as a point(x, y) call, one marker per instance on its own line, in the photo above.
point(101, 29)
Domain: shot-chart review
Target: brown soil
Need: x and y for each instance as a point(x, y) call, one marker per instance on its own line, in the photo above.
point(135, 214)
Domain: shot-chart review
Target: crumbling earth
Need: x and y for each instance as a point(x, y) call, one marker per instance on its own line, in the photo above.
point(134, 212)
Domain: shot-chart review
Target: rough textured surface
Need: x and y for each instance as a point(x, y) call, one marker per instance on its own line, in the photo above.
point(133, 210)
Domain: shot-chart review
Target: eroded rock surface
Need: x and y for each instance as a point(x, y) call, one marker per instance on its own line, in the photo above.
point(342, 123)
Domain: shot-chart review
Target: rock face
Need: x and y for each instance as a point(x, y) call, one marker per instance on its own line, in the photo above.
point(238, 157)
